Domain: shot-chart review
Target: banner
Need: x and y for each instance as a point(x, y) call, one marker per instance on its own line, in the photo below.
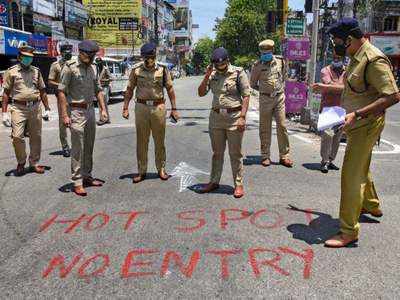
point(181, 24)
point(2, 42)
point(44, 7)
point(296, 49)
point(108, 22)
point(4, 13)
point(296, 96)
point(13, 40)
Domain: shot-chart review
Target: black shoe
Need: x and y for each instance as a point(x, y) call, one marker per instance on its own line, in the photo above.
point(324, 168)
point(66, 152)
point(332, 166)
point(102, 122)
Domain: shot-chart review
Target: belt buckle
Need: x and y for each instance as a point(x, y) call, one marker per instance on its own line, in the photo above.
point(30, 104)
point(223, 110)
point(150, 102)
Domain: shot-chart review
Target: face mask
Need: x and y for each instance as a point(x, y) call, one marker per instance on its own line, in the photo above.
point(66, 55)
point(337, 65)
point(340, 50)
point(26, 60)
point(221, 68)
point(266, 57)
point(150, 61)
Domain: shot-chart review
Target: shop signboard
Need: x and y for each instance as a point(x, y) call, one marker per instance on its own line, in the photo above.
point(4, 13)
point(388, 44)
point(181, 24)
point(296, 96)
point(2, 42)
point(297, 49)
point(13, 40)
point(44, 7)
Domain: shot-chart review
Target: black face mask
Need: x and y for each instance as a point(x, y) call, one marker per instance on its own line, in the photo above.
point(67, 55)
point(340, 49)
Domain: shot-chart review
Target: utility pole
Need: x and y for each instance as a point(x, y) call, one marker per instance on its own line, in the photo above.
point(314, 42)
point(156, 38)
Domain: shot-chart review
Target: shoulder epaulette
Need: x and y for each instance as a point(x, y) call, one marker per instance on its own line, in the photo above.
point(12, 67)
point(138, 65)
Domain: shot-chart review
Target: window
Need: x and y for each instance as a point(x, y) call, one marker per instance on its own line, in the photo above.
point(390, 24)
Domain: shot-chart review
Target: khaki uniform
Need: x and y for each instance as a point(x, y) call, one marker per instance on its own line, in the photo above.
point(269, 80)
point(79, 83)
point(24, 85)
point(105, 79)
point(149, 84)
point(368, 78)
point(55, 75)
point(223, 125)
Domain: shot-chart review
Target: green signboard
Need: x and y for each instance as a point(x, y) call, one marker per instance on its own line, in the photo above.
point(295, 26)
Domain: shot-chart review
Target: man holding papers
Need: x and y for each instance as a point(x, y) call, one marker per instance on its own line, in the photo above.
point(330, 140)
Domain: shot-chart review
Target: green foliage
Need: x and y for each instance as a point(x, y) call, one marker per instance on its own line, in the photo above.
point(202, 53)
point(243, 27)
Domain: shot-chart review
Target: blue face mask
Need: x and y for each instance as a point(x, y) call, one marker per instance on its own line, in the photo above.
point(266, 57)
point(26, 60)
point(337, 65)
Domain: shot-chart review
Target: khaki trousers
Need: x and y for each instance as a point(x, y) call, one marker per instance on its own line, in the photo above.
point(269, 108)
point(31, 118)
point(330, 146)
point(83, 134)
point(150, 119)
point(219, 137)
point(358, 190)
point(62, 128)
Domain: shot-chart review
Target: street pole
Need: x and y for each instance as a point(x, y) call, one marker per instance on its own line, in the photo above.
point(314, 42)
point(156, 24)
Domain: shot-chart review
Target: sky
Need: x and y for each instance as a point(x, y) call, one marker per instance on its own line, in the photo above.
point(206, 11)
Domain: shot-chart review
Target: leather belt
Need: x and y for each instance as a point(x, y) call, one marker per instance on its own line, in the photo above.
point(80, 105)
point(25, 103)
point(227, 110)
point(151, 102)
point(272, 94)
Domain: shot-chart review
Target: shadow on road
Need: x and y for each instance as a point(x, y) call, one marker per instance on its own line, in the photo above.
point(67, 188)
point(250, 160)
point(320, 229)
point(312, 166)
point(223, 189)
point(26, 172)
point(56, 153)
point(131, 175)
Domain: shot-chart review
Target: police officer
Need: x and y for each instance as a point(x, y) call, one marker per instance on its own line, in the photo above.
point(369, 89)
point(54, 80)
point(104, 76)
point(78, 89)
point(149, 78)
point(24, 88)
point(268, 77)
point(231, 95)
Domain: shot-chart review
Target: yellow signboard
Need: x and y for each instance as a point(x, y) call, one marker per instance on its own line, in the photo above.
point(114, 23)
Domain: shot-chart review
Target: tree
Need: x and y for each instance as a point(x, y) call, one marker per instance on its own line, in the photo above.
point(243, 27)
point(202, 53)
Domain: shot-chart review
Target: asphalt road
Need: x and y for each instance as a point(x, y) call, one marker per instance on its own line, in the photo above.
point(152, 240)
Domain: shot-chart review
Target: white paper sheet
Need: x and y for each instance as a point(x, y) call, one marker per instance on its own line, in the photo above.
point(331, 117)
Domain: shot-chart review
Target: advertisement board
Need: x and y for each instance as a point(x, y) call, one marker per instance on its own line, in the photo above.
point(2, 42)
point(296, 96)
point(181, 24)
point(4, 13)
point(389, 44)
point(14, 39)
point(44, 7)
point(108, 20)
point(297, 49)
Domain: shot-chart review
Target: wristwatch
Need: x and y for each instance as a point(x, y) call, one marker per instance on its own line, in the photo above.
point(358, 116)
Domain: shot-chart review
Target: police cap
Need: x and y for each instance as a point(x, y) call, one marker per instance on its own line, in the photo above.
point(266, 45)
point(345, 27)
point(148, 49)
point(219, 55)
point(88, 46)
point(26, 50)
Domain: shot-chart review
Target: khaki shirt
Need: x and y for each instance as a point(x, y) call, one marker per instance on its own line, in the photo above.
point(105, 77)
point(225, 90)
point(79, 82)
point(149, 83)
point(24, 84)
point(380, 80)
point(226, 95)
point(55, 70)
point(269, 77)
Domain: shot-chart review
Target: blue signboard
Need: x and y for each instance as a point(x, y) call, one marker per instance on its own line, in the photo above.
point(13, 40)
point(38, 42)
point(4, 13)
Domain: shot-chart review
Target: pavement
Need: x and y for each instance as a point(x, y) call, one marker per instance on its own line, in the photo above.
point(161, 240)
